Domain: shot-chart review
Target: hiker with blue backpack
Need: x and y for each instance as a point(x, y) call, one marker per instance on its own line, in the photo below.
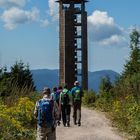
point(77, 94)
point(46, 112)
point(65, 106)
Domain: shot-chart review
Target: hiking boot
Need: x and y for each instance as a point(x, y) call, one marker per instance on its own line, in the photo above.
point(58, 123)
point(68, 124)
point(79, 124)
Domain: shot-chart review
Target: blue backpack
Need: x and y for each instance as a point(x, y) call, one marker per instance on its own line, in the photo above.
point(55, 96)
point(45, 118)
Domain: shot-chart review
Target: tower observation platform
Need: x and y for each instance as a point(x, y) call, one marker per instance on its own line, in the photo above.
point(73, 48)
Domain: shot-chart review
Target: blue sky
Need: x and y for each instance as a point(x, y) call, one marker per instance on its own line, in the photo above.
point(29, 32)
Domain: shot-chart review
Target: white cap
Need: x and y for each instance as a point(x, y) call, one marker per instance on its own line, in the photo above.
point(76, 83)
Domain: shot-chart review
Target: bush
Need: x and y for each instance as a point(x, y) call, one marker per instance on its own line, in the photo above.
point(104, 101)
point(17, 122)
point(126, 114)
point(89, 98)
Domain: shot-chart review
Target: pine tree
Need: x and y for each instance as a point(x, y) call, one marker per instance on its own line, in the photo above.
point(133, 65)
point(105, 85)
point(4, 82)
point(21, 76)
point(129, 81)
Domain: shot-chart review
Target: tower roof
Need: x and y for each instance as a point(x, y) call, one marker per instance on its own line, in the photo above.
point(69, 1)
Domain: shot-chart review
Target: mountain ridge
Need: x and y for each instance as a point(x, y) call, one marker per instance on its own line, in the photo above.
point(50, 78)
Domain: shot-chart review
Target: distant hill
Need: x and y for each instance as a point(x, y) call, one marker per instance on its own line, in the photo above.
point(96, 77)
point(47, 77)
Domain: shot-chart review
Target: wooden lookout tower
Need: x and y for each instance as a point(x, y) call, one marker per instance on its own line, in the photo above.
point(73, 46)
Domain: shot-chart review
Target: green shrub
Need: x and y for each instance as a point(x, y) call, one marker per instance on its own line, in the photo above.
point(126, 114)
point(16, 122)
point(89, 98)
point(104, 101)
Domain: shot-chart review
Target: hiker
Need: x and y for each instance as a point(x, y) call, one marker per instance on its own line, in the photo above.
point(77, 93)
point(55, 95)
point(65, 106)
point(59, 90)
point(46, 112)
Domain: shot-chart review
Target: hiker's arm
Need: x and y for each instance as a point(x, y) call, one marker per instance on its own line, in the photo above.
point(82, 93)
point(53, 115)
point(72, 97)
point(60, 102)
point(51, 96)
point(56, 111)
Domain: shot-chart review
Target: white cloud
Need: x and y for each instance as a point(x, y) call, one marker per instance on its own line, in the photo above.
point(12, 3)
point(53, 9)
point(103, 30)
point(113, 40)
point(15, 16)
point(44, 23)
point(100, 18)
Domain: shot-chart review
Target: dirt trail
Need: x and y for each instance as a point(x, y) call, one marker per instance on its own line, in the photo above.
point(95, 126)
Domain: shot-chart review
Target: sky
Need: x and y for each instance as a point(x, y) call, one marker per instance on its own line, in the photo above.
point(29, 31)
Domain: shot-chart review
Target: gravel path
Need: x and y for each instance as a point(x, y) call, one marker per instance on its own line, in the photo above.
point(95, 126)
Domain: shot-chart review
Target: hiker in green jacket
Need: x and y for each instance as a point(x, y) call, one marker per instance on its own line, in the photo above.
point(65, 106)
point(77, 94)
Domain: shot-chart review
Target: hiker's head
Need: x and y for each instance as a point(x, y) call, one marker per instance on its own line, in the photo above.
point(60, 88)
point(46, 91)
point(76, 83)
point(54, 89)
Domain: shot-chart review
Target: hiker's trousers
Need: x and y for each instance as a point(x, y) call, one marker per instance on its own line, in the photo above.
point(46, 134)
point(77, 112)
point(66, 109)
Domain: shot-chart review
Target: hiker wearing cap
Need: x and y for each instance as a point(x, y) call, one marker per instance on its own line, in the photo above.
point(65, 106)
point(55, 95)
point(46, 112)
point(77, 93)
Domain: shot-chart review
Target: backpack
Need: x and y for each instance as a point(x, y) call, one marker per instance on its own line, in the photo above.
point(55, 96)
point(77, 94)
point(45, 118)
point(65, 97)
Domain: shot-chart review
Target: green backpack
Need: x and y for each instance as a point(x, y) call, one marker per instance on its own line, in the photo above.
point(77, 95)
point(65, 97)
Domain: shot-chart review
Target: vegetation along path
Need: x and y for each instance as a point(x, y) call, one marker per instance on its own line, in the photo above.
point(95, 126)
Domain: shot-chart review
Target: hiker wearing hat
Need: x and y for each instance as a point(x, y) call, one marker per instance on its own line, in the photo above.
point(77, 93)
point(46, 112)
